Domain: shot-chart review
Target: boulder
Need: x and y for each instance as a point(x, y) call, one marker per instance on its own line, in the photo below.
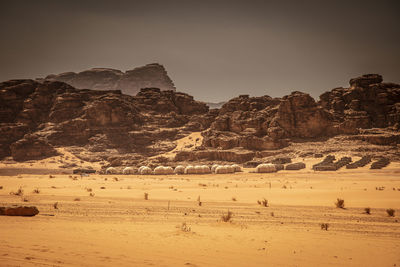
point(19, 211)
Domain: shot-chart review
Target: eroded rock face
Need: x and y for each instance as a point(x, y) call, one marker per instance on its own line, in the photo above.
point(31, 147)
point(129, 82)
point(368, 103)
point(262, 123)
point(37, 117)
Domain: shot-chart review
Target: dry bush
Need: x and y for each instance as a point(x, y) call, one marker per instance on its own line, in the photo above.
point(339, 203)
point(20, 192)
point(185, 227)
point(324, 226)
point(390, 212)
point(89, 189)
point(263, 202)
point(77, 199)
point(91, 194)
point(51, 176)
point(234, 199)
point(1, 187)
point(103, 187)
point(55, 206)
point(24, 199)
point(367, 211)
point(272, 214)
point(227, 217)
point(36, 191)
point(146, 196)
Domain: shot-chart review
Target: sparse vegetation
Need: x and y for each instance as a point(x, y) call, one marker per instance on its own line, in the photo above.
point(89, 189)
point(146, 196)
point(36, 191)
point(263, 202)
point(77, 199)
point(339, 203)
point(51, 176)
point(227, 217)
point(234, 199)
point(367, 211)
point(185, 227)
point(55, 206)
point(20, 192)
point(324, 226)
point(91, 194)
point(24, 199)
point(390, 212)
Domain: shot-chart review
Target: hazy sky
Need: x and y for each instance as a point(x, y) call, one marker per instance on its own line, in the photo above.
point(214, 50)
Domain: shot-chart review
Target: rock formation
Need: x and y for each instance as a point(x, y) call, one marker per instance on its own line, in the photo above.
point(36, 117)
point(129, 82)
point(19, 211)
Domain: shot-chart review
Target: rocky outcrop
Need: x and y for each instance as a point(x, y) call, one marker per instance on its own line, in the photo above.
point(129, 82)
point(31, 147)
point(37, 117)
point(368, 103)
point(261, 123)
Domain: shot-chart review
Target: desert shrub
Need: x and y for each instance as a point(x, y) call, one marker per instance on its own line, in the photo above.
point(77, 199)
point(55, 206)
point(91, 194)
point(89, 189)
point(227, 217)
point(339, 203)
point(324, 226)
point(367, 210)
point(19, 192)
point(185, 227)
point(36, 191)
point(234, 199)
point(390, 212)
point(24, 199)
point(146, 196)
point(263, 202)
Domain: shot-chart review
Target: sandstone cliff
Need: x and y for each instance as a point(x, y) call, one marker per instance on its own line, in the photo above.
point(36, 117)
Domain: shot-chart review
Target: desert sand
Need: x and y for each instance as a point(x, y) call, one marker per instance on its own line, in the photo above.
point(118, 227)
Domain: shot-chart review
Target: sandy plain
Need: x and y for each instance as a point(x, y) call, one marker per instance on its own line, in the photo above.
point(118, 227)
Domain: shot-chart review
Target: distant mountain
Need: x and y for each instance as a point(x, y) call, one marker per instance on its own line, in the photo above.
point(215, 105)
point(129, 82)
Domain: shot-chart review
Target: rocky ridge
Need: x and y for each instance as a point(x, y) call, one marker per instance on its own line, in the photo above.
point(36, 117)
